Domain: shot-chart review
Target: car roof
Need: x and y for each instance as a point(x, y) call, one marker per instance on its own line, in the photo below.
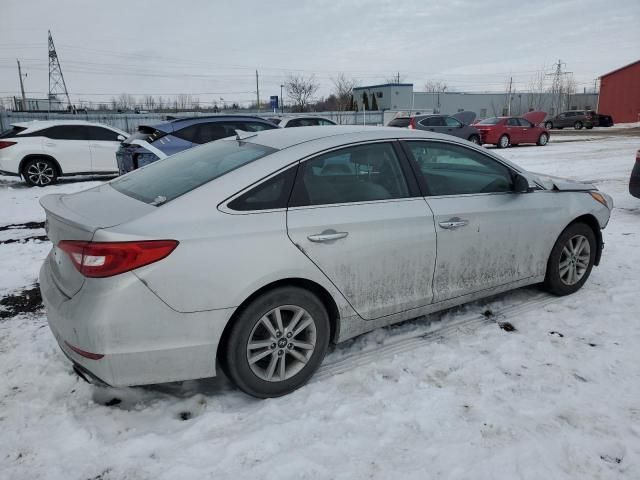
point(177, 123)
point(288, 137)
point(35, 125)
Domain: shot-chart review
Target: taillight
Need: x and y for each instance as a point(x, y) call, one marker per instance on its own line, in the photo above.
point(105, 259)
point(638, 156)
point(5, 144)
point(412, 123)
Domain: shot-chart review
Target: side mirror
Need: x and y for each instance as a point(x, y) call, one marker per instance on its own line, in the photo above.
point(521, 184)
point(121, 138)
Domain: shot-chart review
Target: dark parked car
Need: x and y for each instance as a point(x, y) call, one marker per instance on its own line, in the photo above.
point(303, 121)
point(573, 118)
point(603, 120)
point(154, 142)
point(445, 124)
point(634, 181)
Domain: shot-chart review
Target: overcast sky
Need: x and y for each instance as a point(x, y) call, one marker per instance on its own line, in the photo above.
point(212, 49)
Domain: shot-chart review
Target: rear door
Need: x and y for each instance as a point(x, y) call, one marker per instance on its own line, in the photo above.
point(433, 124)
point(514, 130)
point(103, 143)
point(356, 213)
point(528, 131)
point(487, 235)
point(69, 145)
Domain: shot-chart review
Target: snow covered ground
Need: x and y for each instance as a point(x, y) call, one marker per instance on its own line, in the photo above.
point(455, 396)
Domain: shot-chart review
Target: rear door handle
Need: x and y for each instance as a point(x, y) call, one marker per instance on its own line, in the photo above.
point(453, 223)
point(327, 236)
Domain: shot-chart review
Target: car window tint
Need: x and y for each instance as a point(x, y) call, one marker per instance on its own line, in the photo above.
point(257, 127)
point(432, 122)
point(455, 170)
point(452, 122)
point(354, 174)
point(190, 134)
point(323, 122)
point(166, 179)
point(100, 133)
point(209, 132)
point(399, 122)
point(66, 132)
point(296, 122)
point(513, 122)
point(273, 193)
point(525, 123)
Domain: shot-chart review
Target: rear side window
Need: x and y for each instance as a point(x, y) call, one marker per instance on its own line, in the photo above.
point(12, 132)
point(513, 122)
point(489, 121)
point(324, 122)
point(166, 179)
point(361, 173)
point(399, 122)
point(99, 133)
point(274, 193)
point(525, 123)
point(66, 132)
point(432, 122)
point(452, 122)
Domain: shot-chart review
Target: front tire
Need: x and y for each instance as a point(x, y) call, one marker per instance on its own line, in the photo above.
point(39, 172)
point(578, 125)
point(571, 260)
point(277, 342)
point(503, 141)
point(474, 139)
point(548, 125)
point(543, 139)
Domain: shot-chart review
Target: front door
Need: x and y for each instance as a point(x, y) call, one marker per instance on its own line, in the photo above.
point(68, 144)
point(357, 215)
point(487, 235)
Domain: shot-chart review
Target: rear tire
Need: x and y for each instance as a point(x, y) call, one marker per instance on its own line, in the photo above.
point(578, 125)
point(474, 139)
point(503, 141)
point(268, 353)
point(571, 260)
point(543, 139)
point(548, 125)
point(40, 172)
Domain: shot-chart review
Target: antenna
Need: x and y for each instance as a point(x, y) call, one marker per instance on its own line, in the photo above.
point(56, 80)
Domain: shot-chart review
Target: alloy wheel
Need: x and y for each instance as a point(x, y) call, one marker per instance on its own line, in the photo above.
point(543, 139)
point(574, 260)
point(40, 173)
point(504, 141)
point(281, 343)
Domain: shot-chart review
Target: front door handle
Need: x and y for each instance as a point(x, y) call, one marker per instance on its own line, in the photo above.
point(327, 236)
point(453, 223)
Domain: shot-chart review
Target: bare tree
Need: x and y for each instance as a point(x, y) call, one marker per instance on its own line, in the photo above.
point(395, 78)
point(343, 91)
point(570, 85)
point(434, 86)
point(149, 102)
point(126, 101)
point(536, 87)
point(300, 90)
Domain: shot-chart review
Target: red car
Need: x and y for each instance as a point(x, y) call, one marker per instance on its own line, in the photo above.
point(505, 131)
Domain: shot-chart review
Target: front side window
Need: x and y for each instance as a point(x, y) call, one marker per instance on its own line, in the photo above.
point(450, 169)
point(432, 122)
point(166, 179)
point(513, 122)
point(361, 173)
point(66, 132)
point(525, 123)
point(452, 122)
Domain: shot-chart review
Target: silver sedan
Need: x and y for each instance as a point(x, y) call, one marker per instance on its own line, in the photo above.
point(253, 253)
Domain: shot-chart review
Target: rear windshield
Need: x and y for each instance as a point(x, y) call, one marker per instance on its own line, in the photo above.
point(12, 132)
point(147, 134)
point(399, 122)
point(166, 179)
point(489, 121)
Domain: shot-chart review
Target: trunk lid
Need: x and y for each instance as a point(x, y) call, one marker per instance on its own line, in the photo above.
point(77, 217)
point(465, 117)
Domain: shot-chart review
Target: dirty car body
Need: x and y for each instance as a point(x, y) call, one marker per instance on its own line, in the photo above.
point(151, 273)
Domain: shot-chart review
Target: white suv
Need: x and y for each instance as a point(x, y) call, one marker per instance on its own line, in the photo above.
point(42, 151)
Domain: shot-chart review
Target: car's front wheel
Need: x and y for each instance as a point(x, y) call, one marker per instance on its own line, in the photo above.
point(578, 125)
point(543, 139)
point(548, 125)
point(503, 141)
point(571, 260)
point(474, 139)
point(277, 342)
point(39, 172)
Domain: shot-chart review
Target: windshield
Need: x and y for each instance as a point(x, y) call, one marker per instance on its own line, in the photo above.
point(166, 179)
point(489, 121)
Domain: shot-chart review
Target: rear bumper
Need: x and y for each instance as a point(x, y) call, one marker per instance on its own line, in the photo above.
point(634, 181)
point(141, 340)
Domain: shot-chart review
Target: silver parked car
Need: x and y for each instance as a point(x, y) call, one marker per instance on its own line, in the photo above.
point(253, 253)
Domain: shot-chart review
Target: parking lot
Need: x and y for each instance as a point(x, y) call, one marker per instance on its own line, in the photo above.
point(524, 384)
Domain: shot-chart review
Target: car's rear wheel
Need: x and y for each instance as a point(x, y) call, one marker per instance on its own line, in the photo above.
point(39, 172)
point(571, 260)
point(277, 342)
point(548, 125)
point(503, 141)
point(543, 139)
point(474, 139)
point(578, 125)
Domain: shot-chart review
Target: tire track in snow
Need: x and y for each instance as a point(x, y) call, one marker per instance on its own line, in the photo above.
point(466, 324)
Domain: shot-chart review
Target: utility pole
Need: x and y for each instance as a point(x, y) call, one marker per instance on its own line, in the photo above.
point(257, 92)
point(281, 100)
point(56, 80)
point(24, 98)
point(509, 97)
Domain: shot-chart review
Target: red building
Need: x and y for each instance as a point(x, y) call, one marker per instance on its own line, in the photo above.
point(620, 94)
